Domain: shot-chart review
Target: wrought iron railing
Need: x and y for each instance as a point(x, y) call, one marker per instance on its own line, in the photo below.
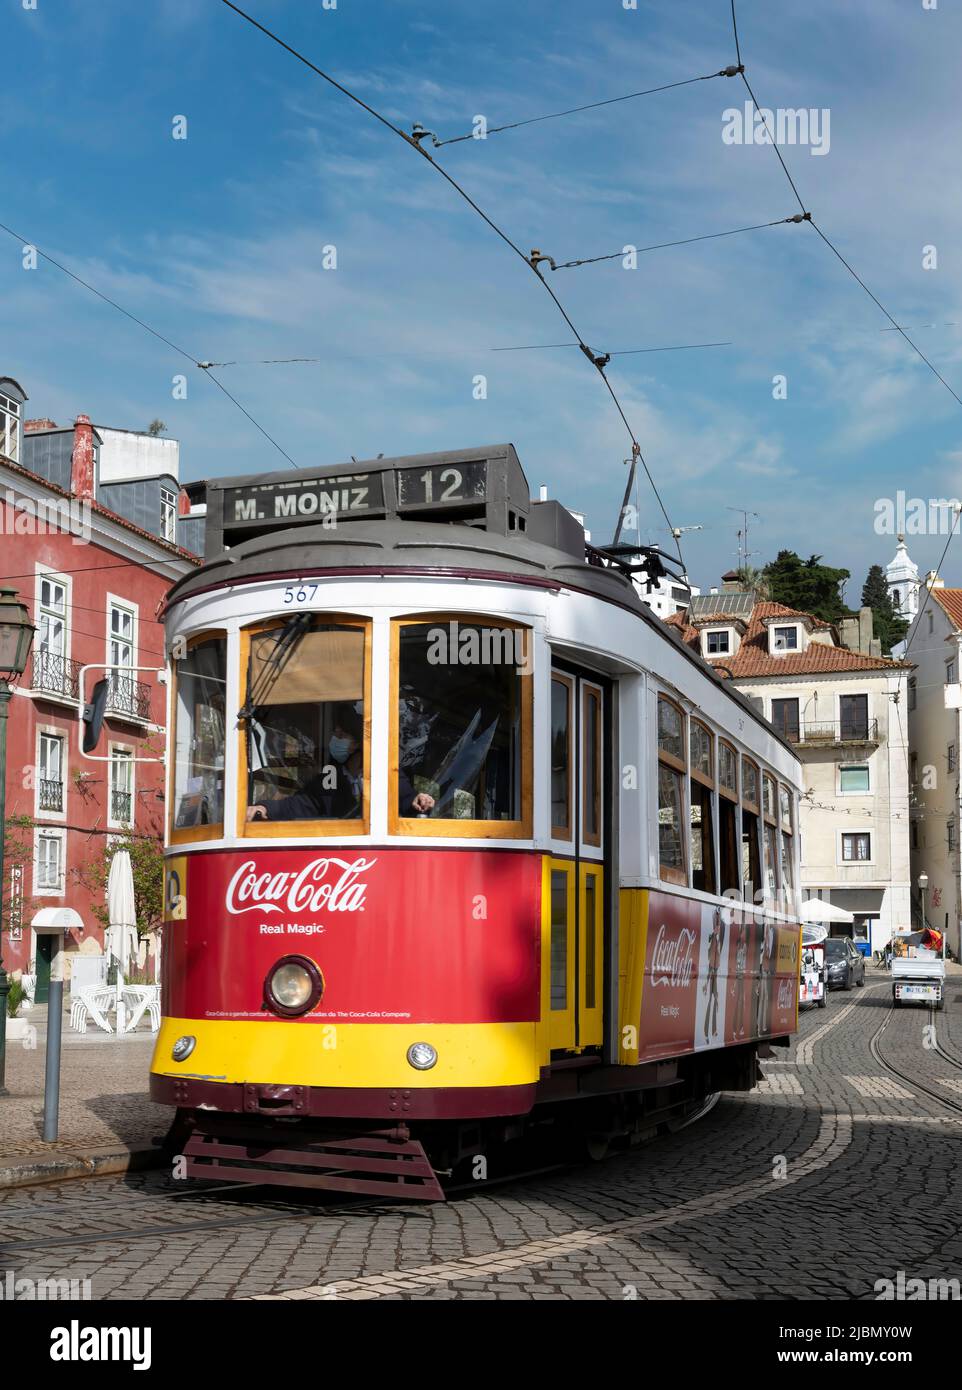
point(120, 806)
point(128, 697)
point(837, 731)
point(51, 795)
point(55, 675)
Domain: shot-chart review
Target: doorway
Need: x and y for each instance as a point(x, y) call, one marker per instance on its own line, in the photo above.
point(579, 888)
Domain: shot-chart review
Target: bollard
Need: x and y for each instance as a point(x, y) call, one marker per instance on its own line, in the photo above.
point(51, 1084)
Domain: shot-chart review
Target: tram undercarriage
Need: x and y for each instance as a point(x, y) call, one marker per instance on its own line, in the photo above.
point(582, 1110)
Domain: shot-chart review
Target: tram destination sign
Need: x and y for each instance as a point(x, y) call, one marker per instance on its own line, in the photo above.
point(304, 499)
point(444, 485)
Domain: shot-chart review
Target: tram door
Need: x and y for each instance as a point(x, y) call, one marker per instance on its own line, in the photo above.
point(576, 901)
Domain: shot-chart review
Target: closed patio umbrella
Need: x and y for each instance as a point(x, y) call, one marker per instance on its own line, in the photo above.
point(122, 932)
point(818, 910)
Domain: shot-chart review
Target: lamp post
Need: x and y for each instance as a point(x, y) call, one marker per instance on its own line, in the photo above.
point(923, 881)
point(16, 637)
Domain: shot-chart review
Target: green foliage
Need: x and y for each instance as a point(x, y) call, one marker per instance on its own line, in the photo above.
point(753, 580)
point(807, 585)
point(15, 998)
point(890, 626)
point(147, 863)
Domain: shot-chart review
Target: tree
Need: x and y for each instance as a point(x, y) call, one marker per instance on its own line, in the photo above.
point(753, 580)
point(155, 428)
point(807, 585)
point(147, 863)
point(890, 626)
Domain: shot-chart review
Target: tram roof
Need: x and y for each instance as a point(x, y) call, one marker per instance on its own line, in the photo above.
point(416, 517)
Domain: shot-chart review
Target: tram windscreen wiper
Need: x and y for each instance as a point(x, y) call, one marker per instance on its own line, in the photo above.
point(287, 639)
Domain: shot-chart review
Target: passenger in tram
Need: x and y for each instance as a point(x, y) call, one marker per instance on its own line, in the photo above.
point(336, 791)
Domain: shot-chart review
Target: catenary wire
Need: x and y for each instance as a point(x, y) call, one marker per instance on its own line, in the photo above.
point(623, 352)
point(531, 261)
point(806, 216)
point(574, 110)
point(685, 241)
point(24, 241)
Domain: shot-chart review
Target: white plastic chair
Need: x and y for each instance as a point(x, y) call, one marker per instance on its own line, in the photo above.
point(78, 1015)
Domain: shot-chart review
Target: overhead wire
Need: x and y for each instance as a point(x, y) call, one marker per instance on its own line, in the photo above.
point(807, 217)
point(182, 352)
point(532, 261)
point(685, 241)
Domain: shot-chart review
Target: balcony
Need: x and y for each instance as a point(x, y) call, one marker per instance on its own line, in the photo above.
point(120, 807)
point(128, 698)
point(838, 734)
point(55, 677)
point(50, 795)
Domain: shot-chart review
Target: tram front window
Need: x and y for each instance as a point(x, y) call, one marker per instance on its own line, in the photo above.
point(199, 735)
point(459, 712)
point(304, 719)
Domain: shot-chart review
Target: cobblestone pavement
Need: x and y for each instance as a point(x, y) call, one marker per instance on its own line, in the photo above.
point(834, 1174)
point(103, 1085)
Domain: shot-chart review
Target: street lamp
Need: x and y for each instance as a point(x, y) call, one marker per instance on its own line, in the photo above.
point(923, 884)
point(16, 636)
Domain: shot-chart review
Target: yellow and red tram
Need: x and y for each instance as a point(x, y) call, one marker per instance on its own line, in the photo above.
point(460, 840)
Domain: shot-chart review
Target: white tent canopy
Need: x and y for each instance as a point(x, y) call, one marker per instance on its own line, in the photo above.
point(122, 940)
point(818, 910)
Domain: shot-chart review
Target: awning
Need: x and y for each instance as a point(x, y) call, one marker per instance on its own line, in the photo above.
point(57, 919)
point(818, 910)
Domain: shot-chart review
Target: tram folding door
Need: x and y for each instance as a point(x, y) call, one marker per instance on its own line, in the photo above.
point(574, 897)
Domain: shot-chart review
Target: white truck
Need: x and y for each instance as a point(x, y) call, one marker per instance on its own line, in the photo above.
point(918, 978)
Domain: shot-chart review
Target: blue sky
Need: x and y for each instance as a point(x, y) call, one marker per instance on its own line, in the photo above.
point(217, 241)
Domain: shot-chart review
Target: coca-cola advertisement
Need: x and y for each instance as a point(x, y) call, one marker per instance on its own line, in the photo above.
point(713, 976)
point(398, 935)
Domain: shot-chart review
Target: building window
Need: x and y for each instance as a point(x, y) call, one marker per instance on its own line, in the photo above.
point(717, 643)
point(853, 711)
point(853, 778)
point(912, 692)
point(785, 639)
point(856, 847)
point(168, 515)
point(913, 770)
point(50, 773)
point(48, 873)
point(951, 834)
point(121, 786)
point(931, 624)
point(897, 598)
point(952, 758)
point(121, 645)
point(10, 428)
point(53, 617)
point(951, 672)
point(915, 834)
point(785, 719)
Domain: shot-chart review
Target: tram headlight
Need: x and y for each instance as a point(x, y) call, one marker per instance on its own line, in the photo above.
point(182, 1048)
point(293, 986)
point(422, 1056)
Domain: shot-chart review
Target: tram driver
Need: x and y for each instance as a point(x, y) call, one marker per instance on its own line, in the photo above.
point(335, 791)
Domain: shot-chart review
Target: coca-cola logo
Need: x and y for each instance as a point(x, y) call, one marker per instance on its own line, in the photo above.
point(673, 958)
point(329, 883)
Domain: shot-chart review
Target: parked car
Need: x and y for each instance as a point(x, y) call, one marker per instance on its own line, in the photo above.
point(846, 964)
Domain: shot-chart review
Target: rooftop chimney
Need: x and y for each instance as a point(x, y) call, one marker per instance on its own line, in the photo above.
point(82, 459)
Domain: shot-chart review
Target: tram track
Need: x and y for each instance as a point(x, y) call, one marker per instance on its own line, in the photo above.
point(910, 1079)
point(301, 1212)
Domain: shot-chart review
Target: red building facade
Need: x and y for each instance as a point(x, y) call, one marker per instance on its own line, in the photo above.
point(93, 580)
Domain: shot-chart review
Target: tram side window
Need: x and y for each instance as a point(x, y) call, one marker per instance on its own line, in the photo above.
point(770, 837)
point(751, 876)
point(729, 833)
point(304, 721)
point(787, 837)
point(561, 742)
point(702, 804)
point(462, 688)
point(200, 734)
point(671, 792)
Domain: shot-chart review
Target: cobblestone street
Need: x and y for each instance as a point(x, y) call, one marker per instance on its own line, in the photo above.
point(797, 1190)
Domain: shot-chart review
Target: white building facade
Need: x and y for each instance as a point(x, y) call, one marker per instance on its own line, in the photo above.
point(846, 713)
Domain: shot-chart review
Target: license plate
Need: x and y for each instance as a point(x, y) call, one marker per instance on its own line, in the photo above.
point(919, 992)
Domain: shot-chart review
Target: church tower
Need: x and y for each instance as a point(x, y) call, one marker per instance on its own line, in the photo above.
point(902, 578)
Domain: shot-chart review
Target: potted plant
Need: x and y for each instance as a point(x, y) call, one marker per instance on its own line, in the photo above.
point(16, 1026)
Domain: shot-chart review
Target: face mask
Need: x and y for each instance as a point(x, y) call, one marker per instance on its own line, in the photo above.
point(340, 748)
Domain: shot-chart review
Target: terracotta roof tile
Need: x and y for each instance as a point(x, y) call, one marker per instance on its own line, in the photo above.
point(754, 659)
point(951, 601)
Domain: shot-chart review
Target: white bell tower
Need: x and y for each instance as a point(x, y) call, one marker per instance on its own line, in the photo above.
point(902, 578)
